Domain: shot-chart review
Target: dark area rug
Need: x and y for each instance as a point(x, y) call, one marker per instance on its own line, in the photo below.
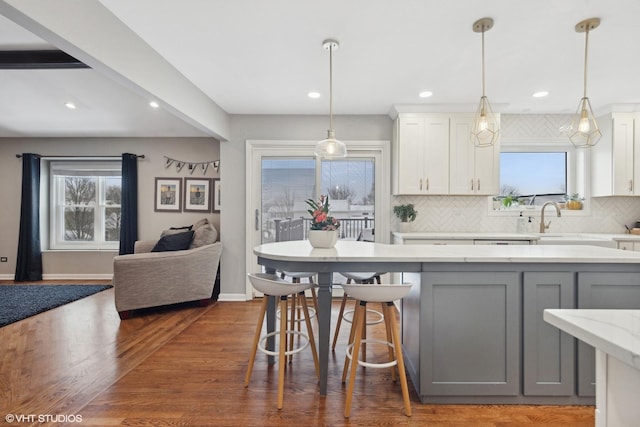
point(18, 302)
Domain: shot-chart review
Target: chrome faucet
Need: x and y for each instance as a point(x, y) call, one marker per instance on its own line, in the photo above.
point(542, 224)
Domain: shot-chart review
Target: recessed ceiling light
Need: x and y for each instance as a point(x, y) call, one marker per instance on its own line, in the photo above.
point(540, 94)
point(313, 95)
point(425, 94)
point(70, 105)
point(154, 104)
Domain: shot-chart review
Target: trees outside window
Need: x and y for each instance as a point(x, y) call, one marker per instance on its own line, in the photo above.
point(85, 205)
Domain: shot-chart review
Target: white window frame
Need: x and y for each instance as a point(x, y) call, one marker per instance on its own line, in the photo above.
point(578, 171)
point(80, 167)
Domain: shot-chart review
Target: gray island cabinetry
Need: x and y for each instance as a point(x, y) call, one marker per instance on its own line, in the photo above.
point(472, 325)
point(474, 332)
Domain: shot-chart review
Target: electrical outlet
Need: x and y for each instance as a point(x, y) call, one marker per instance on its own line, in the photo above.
point(3, 259)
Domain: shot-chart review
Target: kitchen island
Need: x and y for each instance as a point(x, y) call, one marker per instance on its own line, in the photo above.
point(472, 325)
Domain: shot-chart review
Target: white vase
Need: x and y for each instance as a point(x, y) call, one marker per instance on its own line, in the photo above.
point(405, 227)
point(323, 238)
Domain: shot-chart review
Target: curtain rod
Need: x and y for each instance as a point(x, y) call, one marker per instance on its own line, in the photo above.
point(139, 156)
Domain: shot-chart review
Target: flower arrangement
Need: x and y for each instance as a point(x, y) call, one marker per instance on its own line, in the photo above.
point(321, 220)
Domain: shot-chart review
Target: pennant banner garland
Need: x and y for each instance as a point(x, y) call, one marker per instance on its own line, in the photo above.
point(191, 166)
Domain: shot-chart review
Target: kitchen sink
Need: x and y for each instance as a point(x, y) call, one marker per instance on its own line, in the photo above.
point(576, 239)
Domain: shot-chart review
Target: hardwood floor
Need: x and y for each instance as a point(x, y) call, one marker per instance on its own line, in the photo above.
point(186, 365)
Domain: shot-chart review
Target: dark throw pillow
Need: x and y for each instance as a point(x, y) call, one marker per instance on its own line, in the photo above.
point(174, 242)
point(176, 230)
point(185, 228)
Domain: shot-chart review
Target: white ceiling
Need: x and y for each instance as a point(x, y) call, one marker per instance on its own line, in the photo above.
point(262, 57)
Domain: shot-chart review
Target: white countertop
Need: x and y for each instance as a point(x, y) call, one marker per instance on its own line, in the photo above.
point(511, 236)
point(354, 251)
point(616, 332)
point(466, 236)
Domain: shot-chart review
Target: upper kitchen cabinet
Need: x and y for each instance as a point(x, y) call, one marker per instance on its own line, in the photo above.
point(472, 170)
point(433, 154)
point(421, 154)
point(616, 157)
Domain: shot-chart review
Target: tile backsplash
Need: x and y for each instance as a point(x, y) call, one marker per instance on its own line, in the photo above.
point(471, 214)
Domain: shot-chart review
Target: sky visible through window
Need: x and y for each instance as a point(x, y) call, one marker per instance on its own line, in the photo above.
point(533, 173)
point(297, 177)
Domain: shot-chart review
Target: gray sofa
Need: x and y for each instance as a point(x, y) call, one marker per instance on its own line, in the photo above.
point(151, 279)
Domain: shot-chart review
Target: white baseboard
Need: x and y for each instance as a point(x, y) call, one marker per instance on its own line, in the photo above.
point(232, 297)
point(7, 276)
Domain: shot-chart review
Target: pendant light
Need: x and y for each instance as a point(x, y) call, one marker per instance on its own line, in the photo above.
point(331, 148)
point(583, 131)
point(486, 128)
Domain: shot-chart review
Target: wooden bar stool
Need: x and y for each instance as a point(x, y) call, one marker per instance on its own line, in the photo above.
point(384, 294)
point(272, 285)
point(295, 278)
point(296, 317)
point(347, 315)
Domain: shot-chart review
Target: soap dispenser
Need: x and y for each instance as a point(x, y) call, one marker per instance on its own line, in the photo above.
point(522, 224)
point(530, 225)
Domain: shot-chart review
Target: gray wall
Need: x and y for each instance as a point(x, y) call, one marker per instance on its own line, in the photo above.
point(243, 128)
point(99, 264)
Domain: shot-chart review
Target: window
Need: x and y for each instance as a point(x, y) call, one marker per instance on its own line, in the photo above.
point(537, 171)
point(85, 210)
point(351, 179)
point(534, 177)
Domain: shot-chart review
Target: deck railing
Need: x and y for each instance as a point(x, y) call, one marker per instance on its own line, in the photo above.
point(286, 229)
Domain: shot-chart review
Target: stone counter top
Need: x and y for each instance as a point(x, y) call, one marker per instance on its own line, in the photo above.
point(512, 236)
point(354, 251)
point(465, 236)
point(616, 332)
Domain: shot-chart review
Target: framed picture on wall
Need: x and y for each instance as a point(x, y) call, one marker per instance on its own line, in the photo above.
point(216, 195)
point(197, 194)
point(168, 195)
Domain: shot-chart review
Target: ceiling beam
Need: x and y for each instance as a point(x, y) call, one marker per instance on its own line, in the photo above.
point(38, 60)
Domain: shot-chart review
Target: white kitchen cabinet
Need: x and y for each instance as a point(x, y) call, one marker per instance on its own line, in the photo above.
point(438, 242)
point(433, 154)
point(472, 170)
point(421, 154)
point(627, 245)
point(616, 157)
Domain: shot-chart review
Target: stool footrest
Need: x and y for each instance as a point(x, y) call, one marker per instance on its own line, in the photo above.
point(262, 348)
point(388, 364)
point(347, 316)
point(298, 319)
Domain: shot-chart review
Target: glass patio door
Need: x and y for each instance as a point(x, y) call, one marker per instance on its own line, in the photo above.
point(285, 185)
point(282, 176)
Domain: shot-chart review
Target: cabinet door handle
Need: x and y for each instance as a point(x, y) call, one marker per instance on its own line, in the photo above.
point(420, 184)
point(471, 185)
point(427, 184)
point(257, 220)
point(630, 185)
point(478, 184)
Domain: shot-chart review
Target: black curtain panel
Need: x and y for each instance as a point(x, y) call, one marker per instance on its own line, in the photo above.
point(29, 259)
point(129, 204)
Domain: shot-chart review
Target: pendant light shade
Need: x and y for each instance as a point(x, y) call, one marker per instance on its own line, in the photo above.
point(331, 148)
point(486, 129)
point(583, 131)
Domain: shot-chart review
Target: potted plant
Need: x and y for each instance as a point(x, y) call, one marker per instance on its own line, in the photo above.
point(406, 214)
point(574, 201)
point(324, 227)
